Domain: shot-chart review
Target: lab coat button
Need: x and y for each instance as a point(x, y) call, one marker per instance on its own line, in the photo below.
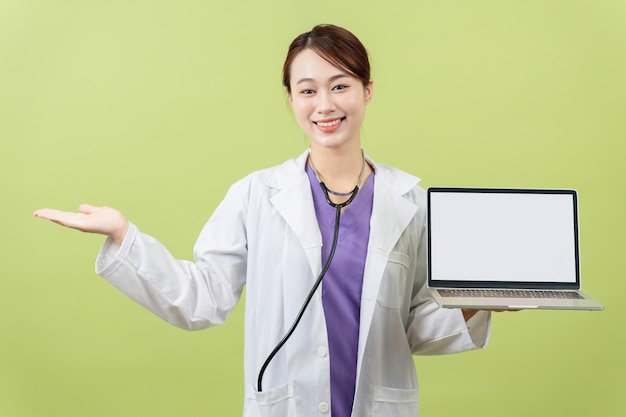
point(321, 351)
point(323, 407)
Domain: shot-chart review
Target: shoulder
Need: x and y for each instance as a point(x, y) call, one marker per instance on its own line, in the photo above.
point(273, 178)
point(400, 181)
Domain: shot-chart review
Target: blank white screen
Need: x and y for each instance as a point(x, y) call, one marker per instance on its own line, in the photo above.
point(502, 237)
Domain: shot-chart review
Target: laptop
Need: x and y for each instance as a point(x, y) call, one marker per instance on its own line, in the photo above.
point(504, 248)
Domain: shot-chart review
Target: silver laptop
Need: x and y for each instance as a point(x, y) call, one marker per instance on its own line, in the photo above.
point(493, 248)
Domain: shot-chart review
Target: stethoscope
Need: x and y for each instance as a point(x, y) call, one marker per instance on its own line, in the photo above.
point(338, 207)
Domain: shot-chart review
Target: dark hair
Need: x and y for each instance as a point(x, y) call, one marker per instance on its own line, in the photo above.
point(336, 45)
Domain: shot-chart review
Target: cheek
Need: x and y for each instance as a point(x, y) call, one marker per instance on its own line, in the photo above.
point(357, 107)
point(301, 111)
point(354, 102)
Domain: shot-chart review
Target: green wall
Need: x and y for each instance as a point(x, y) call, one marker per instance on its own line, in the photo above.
point(156, 107)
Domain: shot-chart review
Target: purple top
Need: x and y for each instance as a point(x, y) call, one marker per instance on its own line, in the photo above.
point(342, 285)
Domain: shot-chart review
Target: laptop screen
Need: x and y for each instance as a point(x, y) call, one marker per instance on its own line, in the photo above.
point(502, 238)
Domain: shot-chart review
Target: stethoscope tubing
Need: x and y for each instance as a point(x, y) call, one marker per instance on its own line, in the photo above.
point(318, 281)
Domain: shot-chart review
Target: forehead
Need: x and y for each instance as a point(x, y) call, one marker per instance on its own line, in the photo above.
point(309, 65)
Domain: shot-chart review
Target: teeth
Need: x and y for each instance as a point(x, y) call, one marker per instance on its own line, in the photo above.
point(329, 124)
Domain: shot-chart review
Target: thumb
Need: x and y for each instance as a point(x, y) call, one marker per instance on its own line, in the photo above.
point(86, 208)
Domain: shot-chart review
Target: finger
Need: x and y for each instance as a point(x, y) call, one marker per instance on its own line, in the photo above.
point(63, 218)
point(47, 213)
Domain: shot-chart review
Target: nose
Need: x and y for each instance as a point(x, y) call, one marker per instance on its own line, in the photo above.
point(325, 103)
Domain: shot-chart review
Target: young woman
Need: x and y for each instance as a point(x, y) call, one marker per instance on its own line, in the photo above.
point(331, 247)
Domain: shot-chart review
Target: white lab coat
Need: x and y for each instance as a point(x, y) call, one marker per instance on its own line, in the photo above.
point(265, 235)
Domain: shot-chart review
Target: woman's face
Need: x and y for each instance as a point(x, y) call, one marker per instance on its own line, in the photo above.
point(329, 104)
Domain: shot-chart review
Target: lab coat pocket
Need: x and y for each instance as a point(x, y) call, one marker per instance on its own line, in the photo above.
point(394, 402)
point(275, 402)
point(393, 289)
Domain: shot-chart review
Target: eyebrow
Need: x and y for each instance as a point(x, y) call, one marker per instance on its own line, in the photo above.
point(331, 79)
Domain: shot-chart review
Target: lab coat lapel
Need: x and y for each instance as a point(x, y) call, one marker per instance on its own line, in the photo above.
point(391, 214)
point(294, 202)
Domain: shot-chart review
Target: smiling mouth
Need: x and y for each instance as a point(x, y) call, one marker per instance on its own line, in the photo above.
point(330, 123)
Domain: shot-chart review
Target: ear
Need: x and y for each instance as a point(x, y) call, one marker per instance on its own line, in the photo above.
point(369, 91)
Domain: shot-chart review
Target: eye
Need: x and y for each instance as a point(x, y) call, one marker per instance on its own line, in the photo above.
point(307, 91)
point(340, 87)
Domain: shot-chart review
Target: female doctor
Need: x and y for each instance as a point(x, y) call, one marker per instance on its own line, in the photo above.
point(331, 246)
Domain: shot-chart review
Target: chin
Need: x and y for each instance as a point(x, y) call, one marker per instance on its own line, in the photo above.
point(328, 143)
point(331, 141)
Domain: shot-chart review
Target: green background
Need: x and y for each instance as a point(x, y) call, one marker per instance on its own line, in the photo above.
point(156, 107)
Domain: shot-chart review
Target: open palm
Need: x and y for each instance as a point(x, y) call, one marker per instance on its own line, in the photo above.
point(102, 220)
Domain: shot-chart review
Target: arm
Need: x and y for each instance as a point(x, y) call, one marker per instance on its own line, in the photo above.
point(186, 294)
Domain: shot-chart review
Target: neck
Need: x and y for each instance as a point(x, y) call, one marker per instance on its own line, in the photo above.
point(338, 166)
point(340, 173)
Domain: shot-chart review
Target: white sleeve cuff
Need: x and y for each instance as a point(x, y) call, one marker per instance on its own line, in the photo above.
point(112, 255)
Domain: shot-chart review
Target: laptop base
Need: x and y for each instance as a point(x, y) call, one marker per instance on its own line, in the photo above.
point(496, 303)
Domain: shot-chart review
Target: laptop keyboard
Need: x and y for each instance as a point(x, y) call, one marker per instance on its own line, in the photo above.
point(478, 293)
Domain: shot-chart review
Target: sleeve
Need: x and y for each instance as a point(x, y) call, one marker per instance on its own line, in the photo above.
point(433, 330)
point(190, 295)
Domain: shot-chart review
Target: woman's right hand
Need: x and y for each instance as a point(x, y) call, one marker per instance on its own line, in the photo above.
point(102, 220)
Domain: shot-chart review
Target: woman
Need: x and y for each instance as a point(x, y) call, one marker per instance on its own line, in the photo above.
point(333, 214)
